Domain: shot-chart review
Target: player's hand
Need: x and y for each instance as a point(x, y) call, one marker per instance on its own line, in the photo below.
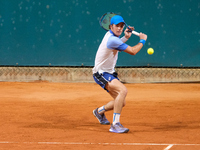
point(128, 33)
point(143, 36)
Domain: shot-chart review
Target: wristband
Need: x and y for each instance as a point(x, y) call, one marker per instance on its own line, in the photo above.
point(142, 41)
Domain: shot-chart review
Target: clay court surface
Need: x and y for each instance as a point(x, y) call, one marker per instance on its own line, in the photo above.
point(42, 115)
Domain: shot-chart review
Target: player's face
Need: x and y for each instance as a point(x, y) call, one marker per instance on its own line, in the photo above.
point(117, 29)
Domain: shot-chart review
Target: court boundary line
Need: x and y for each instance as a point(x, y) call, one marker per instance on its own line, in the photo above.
point(168, 147)
point(87, 143)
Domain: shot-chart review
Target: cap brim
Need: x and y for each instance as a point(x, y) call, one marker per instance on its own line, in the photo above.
point(118, 22)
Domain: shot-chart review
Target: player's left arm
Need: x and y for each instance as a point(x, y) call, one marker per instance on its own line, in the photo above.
point(135, 49)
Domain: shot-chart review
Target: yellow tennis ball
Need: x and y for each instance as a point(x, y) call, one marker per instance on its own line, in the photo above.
point(150, 51)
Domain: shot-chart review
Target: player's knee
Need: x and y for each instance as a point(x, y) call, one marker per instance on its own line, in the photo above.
point(124, 103)
point(124, 91)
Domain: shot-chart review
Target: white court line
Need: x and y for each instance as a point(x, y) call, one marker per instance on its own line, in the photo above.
point(82, 143)
point(168, 147)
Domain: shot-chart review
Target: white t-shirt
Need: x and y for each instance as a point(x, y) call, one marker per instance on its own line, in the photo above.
point(107, 54)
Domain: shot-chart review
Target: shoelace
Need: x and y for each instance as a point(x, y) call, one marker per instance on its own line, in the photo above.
point(120, 125)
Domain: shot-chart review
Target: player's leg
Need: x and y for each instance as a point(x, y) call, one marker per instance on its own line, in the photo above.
point(115, 94)
point(110, 105)
point(118, 91)
point(106, 107)
point(99, 112)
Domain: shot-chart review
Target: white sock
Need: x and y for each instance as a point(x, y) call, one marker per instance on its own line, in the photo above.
point(101, 110)
point(116, 117)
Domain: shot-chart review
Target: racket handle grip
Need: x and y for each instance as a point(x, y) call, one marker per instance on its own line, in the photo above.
point(136, 33)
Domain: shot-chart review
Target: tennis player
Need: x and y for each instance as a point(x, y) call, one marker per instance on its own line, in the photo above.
point(104, 71)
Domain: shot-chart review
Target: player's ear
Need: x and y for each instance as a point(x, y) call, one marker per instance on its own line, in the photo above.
point(110, 26)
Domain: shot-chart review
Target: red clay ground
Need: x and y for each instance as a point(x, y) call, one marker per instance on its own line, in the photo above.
point(59, 116)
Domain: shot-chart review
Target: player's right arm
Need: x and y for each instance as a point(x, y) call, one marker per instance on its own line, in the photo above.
point(135, 49)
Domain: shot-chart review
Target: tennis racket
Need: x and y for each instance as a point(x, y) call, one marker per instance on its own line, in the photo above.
point(105, 22)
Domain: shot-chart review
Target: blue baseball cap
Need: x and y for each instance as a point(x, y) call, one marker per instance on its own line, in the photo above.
point(116, 20)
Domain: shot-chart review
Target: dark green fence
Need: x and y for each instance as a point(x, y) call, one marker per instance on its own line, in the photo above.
point(67, 33)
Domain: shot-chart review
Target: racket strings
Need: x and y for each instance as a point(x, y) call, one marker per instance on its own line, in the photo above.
point(105, 20)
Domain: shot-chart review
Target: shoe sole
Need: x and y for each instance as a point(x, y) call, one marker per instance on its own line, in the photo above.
point(98, 119)
point(119, 132)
